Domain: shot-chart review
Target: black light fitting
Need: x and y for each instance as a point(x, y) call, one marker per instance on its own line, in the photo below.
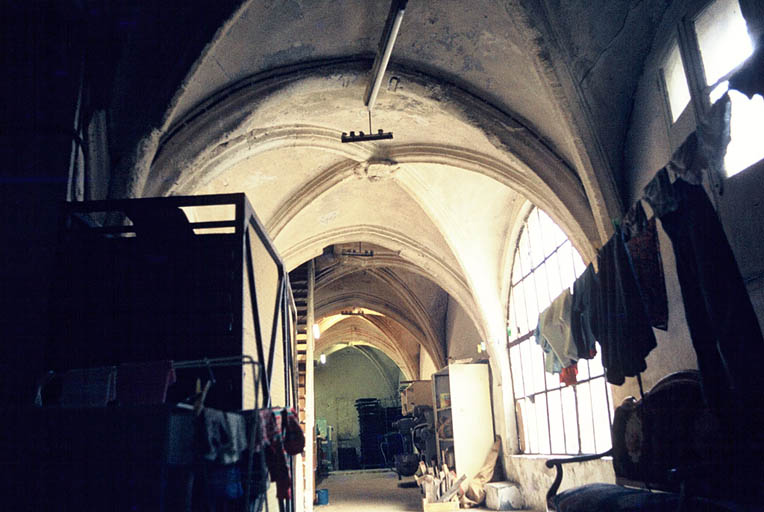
point(385, 48)
point(353, 137)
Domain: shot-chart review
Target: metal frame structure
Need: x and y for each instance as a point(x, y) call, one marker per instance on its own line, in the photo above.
point(108, 218)
point(111, 219)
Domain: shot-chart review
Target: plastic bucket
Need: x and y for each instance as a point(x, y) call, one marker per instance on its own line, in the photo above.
point(322, 496)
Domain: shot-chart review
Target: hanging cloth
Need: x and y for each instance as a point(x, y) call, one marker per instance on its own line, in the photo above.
point(281, 436)
point(553, 333)
point(722, 322)
point(584, 294)
point(621, 324)
point(644, 251)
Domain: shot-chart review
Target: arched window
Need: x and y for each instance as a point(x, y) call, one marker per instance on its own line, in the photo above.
point(552, 418)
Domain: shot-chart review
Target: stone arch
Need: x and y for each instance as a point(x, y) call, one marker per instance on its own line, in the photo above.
point(218, 129)
point(341, 302)
point(367, 330)
point(421, 260)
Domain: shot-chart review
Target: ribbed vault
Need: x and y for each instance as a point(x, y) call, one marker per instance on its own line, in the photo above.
point(374, 331)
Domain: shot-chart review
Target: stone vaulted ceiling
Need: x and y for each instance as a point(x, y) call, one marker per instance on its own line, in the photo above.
point(491, 103)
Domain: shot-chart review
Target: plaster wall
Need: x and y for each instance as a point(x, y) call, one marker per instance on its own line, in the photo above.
point(347, 376)
point(535, 478)
point(461, 336)
point(600, 57)
point(426, 365)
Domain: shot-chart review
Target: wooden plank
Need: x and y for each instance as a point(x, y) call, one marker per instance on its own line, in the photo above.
point(440, 507)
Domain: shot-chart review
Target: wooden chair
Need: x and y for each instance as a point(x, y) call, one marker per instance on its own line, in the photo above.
point(669, 454)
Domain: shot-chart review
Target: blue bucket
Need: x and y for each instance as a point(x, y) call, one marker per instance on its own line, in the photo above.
point(322, 496)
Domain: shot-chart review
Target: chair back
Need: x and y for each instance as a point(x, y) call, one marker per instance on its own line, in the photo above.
point(669, 428)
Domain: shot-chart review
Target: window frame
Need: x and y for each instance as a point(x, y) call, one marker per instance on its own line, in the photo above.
point(527, 337)
point(686, 37)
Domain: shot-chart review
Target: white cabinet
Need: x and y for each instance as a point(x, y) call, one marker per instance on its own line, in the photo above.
point(464, 419)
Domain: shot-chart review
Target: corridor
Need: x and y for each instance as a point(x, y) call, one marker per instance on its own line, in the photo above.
point(370, 491)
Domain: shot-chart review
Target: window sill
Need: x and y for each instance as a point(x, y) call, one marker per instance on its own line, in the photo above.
point(545, 457)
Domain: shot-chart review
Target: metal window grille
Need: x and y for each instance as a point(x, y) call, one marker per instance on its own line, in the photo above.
point(552, 418)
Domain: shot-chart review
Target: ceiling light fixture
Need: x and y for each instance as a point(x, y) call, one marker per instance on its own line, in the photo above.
point(386, 43)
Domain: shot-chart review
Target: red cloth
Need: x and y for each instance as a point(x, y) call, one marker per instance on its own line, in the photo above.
point(282, 436)
point(568, 375)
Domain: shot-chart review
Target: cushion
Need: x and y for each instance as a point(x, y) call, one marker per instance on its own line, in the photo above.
point(611, 497)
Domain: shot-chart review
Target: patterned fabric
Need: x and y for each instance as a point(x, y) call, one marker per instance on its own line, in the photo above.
point(280, 437)
point(641, 238)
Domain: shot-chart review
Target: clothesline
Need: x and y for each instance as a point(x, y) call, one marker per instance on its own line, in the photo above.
point(629, 290)
point(139, 383)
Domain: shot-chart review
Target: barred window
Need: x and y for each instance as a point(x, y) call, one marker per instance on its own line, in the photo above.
point(552, 418)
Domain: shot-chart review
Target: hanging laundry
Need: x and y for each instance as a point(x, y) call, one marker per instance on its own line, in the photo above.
point(568, 375)
point(584, 293)
point(644, 251)
point(722, 322)
point(553, 333)
point(280, 439)
point(620, 322)
point(223, 437)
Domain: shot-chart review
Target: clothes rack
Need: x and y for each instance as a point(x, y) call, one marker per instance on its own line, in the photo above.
point(244, 360)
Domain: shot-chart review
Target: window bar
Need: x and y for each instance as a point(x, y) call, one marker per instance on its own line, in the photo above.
point(579, 382)
point(533, 269)
point(525, 301)
point(546, 405)
point(525, 391)
point(512, 375)
point(559, 273)
point(594, 427)
point(607, 401)
point(543, 367)
point(561, 387)
point(520, 339)
point(562, 417)
point(578, 419)
point(514, 394)
point(526, 417)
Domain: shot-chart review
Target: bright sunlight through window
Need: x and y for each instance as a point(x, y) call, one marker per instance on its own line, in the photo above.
point(676, 83)
point(725, 44)
point(553, 418)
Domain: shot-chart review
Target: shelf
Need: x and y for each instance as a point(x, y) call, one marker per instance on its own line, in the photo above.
point(446, 439)
point(443, 409)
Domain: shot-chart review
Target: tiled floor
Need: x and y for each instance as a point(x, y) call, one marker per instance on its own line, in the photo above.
point(370, 491)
